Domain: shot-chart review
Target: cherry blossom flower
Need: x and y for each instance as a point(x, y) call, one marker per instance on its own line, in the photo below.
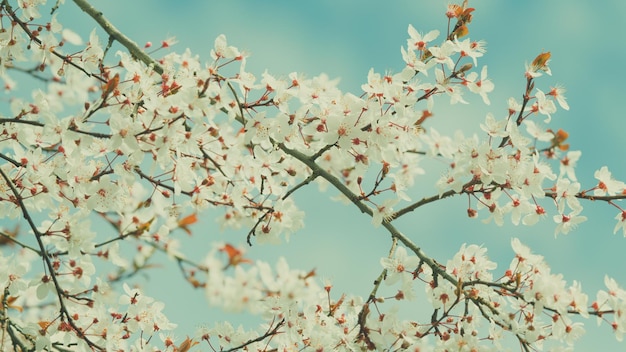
point(539, 133)
point(400, 266)
point(568, 164)
point(442, 296)
point(418, 41)
point(544, 106)
point(30, 8)
point(384, 211)
point(494, 128)
point(473, 49)
point(414, 62)
point(471, 263)
point(105, 195)
point(557, 93)
point(481, 86)
point(223, 50)
point(442, 54)
point(621, 222)
point(71, 37)
point(566, 191)
point(607, 184)
point(93, 52)
point(568, 222)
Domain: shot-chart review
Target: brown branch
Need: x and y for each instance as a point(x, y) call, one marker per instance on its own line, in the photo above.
point(431, 199)
point(520, 116)
point(305, 182)
point(14, 162)
point(584, 195)
point(363, 331)
point(40, 124)
point(450, 193)
point(270, 332)
point(26, 122)
point(8, 239)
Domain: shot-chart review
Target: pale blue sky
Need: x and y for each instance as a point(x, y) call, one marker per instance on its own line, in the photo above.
point(345, 39)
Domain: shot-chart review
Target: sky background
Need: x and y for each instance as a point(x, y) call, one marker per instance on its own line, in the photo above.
point(345, 39)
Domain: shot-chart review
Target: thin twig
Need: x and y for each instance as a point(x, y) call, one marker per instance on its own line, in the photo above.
point(269, 333)
point(23, 245)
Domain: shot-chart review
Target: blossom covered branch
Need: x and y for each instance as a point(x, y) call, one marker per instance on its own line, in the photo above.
point(145, 144)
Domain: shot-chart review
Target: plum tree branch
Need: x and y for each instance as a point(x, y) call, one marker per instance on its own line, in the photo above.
point(112, 31)
point(47, 260)
point(11, 239)
point(35, 39)
point(395, 233)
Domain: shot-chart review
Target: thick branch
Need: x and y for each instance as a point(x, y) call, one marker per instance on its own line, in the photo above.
point(395, 233)
point(424, 201)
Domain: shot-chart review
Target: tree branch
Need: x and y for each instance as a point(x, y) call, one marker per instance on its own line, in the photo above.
point(46, 258)
point(108, 27)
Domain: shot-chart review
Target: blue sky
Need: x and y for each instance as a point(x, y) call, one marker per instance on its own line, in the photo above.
point(345, 39)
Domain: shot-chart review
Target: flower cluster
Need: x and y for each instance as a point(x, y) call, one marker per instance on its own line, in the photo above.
point(515, 303)
point(144, 145)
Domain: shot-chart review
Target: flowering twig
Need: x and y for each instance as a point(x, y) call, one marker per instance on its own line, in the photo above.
point(34, 38)
point(46, 258)
point(108, 27)
point(270, 332)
